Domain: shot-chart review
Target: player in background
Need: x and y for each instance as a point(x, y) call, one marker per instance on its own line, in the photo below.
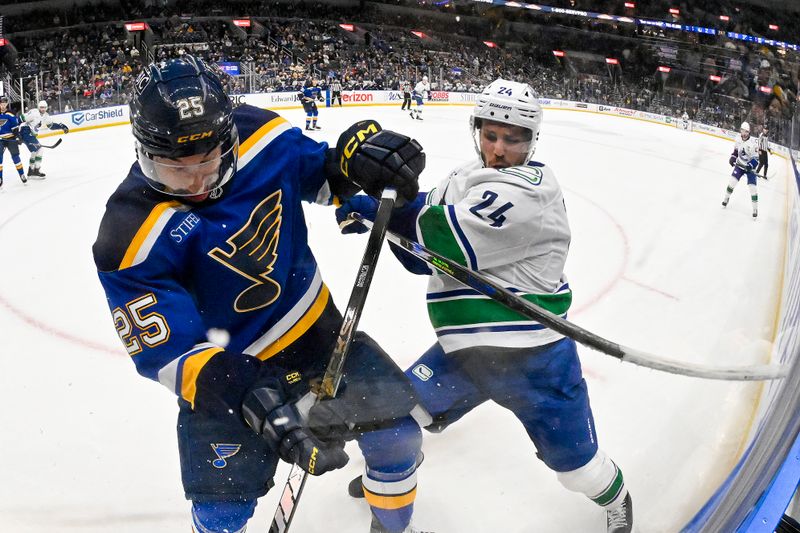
point(744, 160)
point(9, 132)
point(308, 96)
point(421, 91)
point(336, 92)
point(406, 88)
point(33, 120)
point(215, 293)
point(503, 214)
point(685, 121)
point(763, 151)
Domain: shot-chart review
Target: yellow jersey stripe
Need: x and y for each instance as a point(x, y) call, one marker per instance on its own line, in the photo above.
point(390, 502)
point(144, 231)
point(302, 325)
point(259, 134)
point(191, 369)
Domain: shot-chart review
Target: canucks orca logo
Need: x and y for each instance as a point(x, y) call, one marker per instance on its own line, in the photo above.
point(532, 175)
point(253, 253)
point(224, 451)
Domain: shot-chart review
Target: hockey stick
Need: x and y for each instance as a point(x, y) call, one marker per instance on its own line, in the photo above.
point(333, 374)
point(51, 145)
point(500, 294)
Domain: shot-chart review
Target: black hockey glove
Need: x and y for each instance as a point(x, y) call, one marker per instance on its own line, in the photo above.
point(732, 160)
point(283, 426)
point(374, 159)
point(65, 129)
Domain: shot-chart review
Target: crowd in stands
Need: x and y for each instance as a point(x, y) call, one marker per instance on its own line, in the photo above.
point(91, 60)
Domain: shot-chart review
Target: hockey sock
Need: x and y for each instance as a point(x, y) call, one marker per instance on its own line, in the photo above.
point(600, 480)
point(215, 516)
point(754, 197)
point(18, 163)
point(390, 479)
point(391, 496)
point(308, 122)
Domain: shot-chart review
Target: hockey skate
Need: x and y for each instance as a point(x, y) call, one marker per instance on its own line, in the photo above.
point(23, 178)
point(35, 174)
point(316, 127)
point(620, 520)
point(377, 527)
point(724, 203)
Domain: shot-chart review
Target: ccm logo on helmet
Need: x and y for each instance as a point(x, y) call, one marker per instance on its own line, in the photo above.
point(195, 137)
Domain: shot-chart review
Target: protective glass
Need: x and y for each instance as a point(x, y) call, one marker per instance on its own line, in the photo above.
point(191, 175)
point(501, 145)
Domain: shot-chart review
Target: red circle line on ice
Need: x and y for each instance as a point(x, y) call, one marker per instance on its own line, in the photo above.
point(38, 324)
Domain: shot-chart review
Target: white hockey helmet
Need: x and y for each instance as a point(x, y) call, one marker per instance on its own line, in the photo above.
point(42, 106)
point(424, 78)
point(508, 102)
point(745, 126)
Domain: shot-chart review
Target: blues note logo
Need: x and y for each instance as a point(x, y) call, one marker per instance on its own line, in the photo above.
point(252, 252)
point(224, 451)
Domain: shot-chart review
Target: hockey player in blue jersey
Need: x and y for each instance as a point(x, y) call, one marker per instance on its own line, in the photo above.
point(309, 97)
point(9, 133)
point(207, 233)
point(503, 214)
point(31, 122)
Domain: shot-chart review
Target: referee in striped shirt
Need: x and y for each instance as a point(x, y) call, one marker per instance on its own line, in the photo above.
point(336, 89)
point(763, 152)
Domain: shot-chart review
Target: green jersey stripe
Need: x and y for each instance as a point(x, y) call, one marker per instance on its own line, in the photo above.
point(465, 311)
point(437, 235)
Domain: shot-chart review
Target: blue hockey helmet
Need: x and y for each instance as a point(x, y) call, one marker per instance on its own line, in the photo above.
point(186, 142)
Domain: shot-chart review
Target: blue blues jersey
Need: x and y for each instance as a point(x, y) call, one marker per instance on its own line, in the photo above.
point(173, 271)
point(311, 93)
point(8, 121)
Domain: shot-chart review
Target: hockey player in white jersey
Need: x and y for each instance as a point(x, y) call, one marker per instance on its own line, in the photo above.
point(744, 160)
point(35, 119)
point(685, 124)
point(422, 90)
point(503, 214)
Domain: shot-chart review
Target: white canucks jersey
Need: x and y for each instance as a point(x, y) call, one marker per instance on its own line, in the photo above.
point(421, 88)
point(510, 224)
point(37, 120)
point(746, 152)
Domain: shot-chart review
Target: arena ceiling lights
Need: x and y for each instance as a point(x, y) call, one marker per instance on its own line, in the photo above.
point(645, 22)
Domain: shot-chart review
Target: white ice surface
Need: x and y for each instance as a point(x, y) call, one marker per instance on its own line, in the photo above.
point(655, 263)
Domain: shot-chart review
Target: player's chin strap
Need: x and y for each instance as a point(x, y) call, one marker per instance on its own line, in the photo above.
point(527, 309)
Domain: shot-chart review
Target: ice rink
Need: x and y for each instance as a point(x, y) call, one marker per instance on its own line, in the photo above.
point(655, 263)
